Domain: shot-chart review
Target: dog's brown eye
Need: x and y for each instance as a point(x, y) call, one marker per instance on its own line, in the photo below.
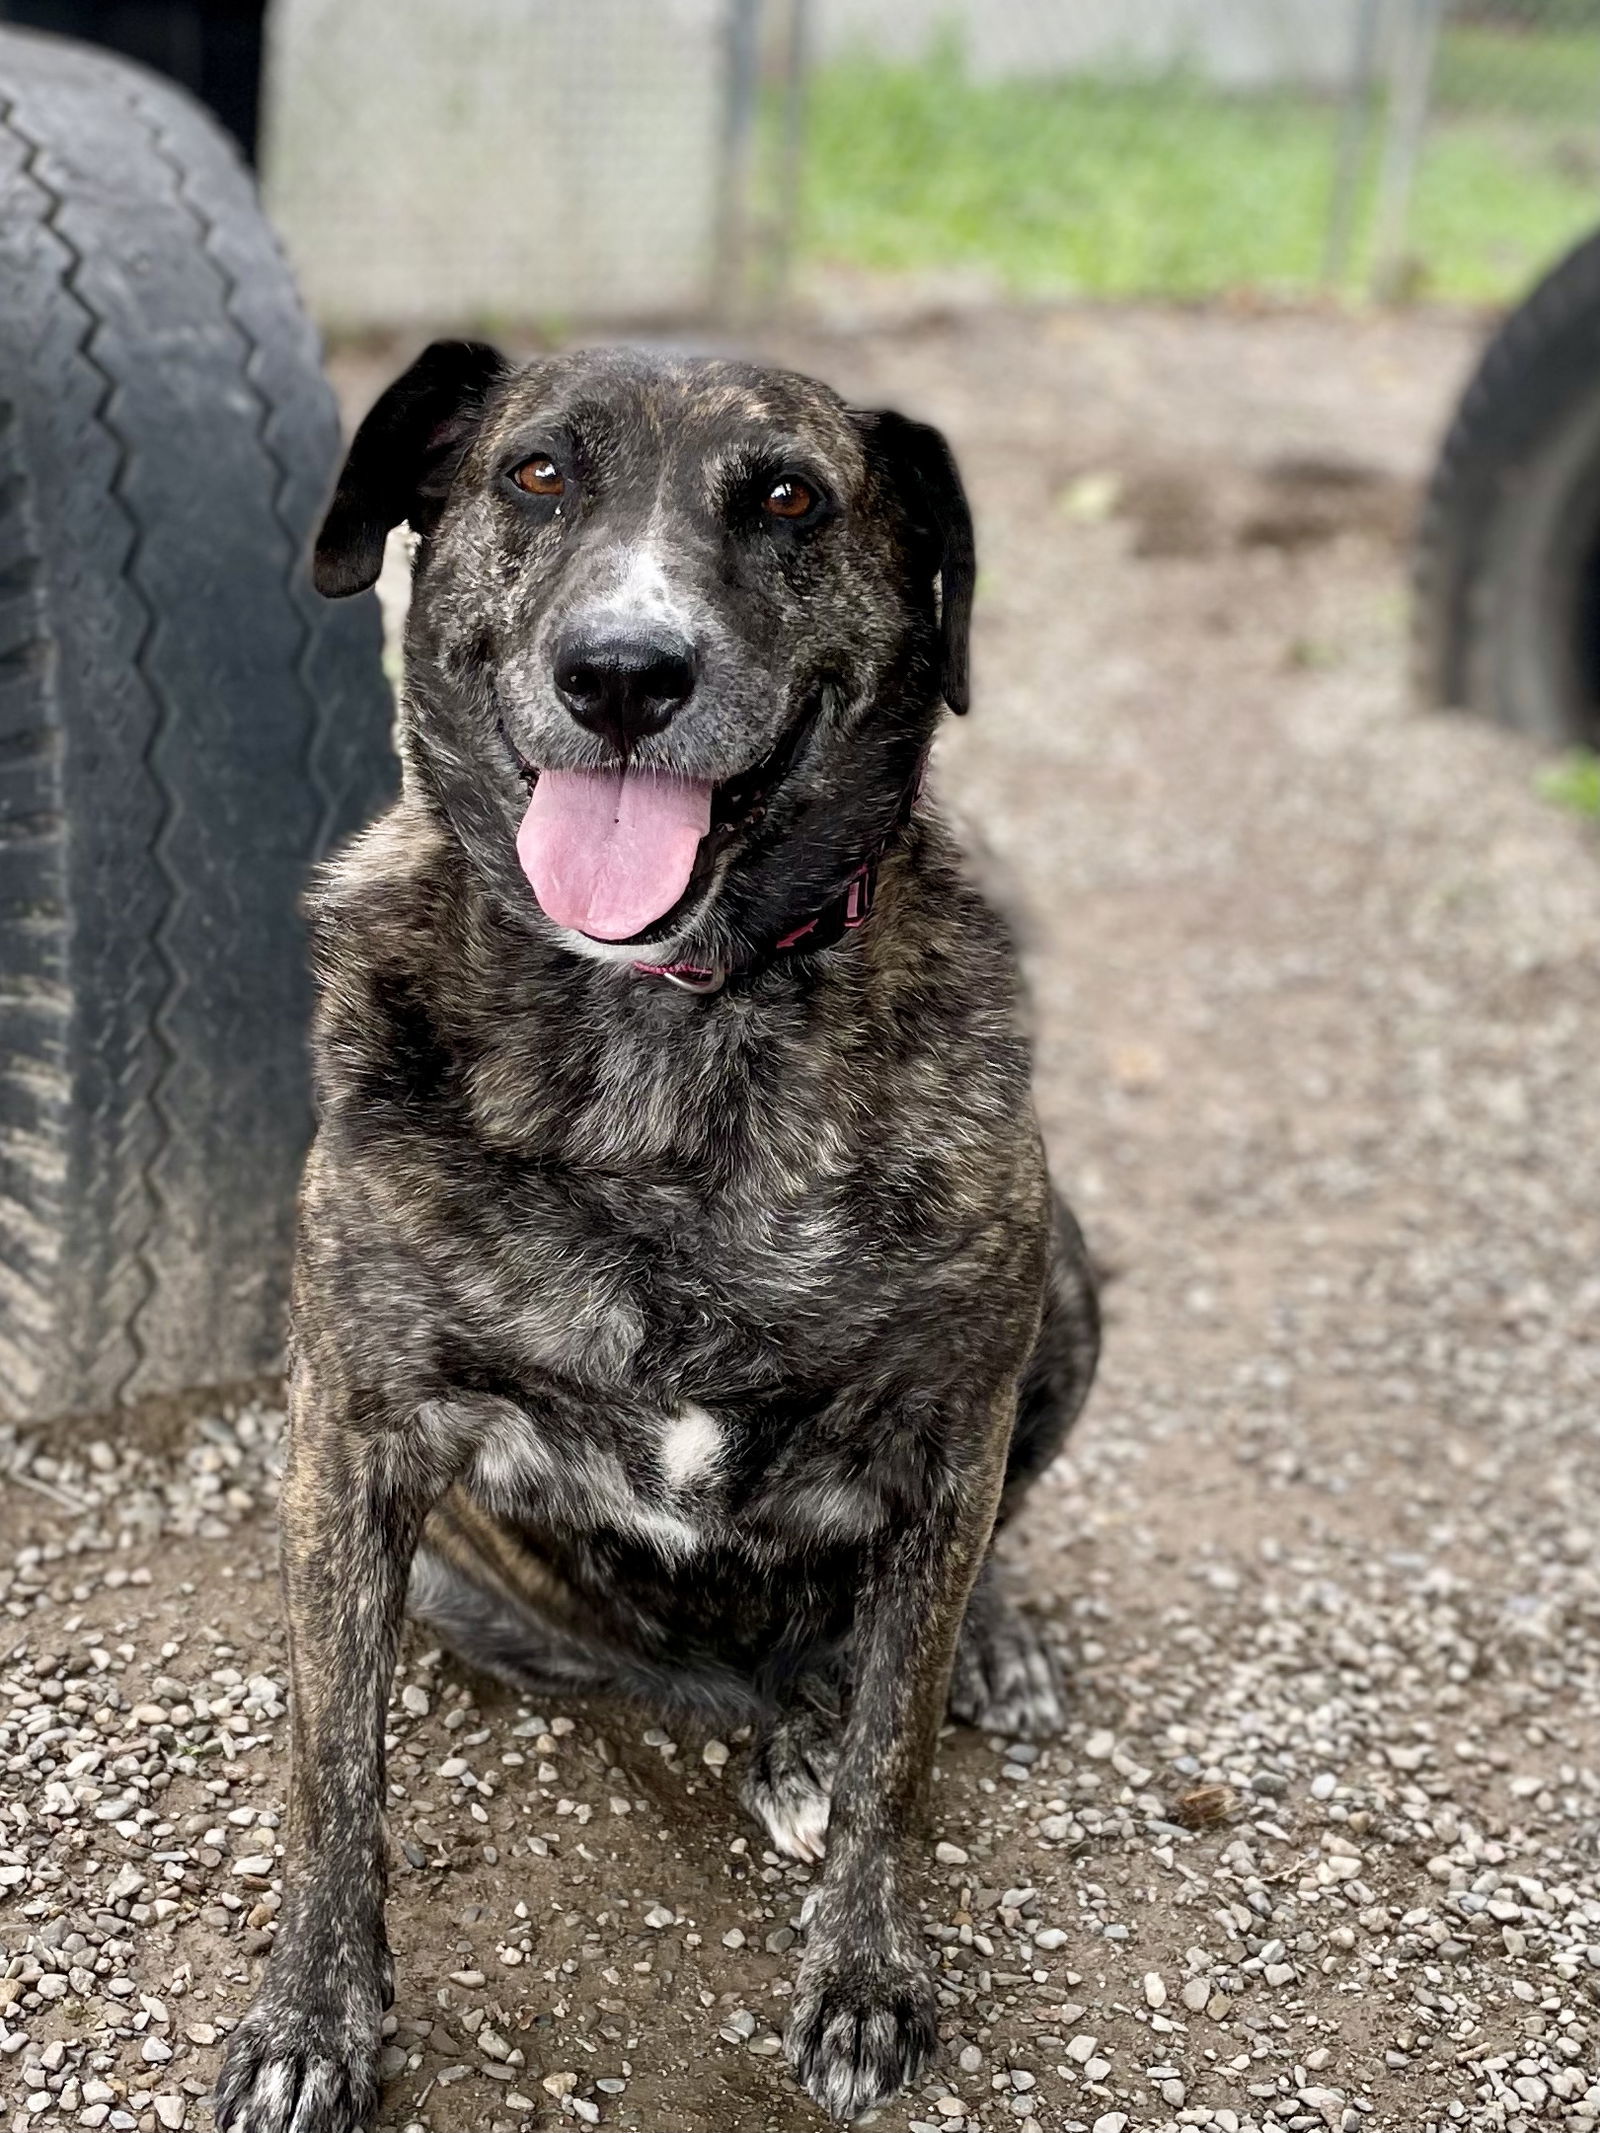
point(540, 477)
point(788, 499)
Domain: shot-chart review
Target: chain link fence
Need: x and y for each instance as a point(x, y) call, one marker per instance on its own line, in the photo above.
point(580, 163)
point(563, 164)
point(1177, 148)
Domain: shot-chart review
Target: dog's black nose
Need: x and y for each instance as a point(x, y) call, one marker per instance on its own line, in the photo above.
point(624, 684)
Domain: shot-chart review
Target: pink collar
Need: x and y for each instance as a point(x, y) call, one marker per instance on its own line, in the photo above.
point(846, 913)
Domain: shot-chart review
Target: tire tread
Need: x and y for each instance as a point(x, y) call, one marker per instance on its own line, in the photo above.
point(168, 685)
point(1543, 358)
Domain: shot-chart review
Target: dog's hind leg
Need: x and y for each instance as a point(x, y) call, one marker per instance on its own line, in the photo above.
point(788, 1781)
point(1061, 1369)
point(492, 1631)
point(1007, 1678)
point(498, 1605)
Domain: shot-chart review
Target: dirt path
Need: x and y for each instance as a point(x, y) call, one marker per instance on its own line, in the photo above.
point(1319, 1010)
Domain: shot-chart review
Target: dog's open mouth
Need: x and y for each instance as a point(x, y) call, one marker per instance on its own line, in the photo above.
point(617, 853)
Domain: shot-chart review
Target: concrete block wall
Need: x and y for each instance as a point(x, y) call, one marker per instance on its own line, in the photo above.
point(470, 162)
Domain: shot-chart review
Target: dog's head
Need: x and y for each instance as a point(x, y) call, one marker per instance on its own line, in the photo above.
point(679, 629)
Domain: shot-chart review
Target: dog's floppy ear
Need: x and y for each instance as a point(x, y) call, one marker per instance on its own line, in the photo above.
point(402, 460)
point(923, 470)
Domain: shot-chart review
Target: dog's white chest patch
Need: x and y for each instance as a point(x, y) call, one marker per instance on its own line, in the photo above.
point(690, 1447)
point(587, 1485)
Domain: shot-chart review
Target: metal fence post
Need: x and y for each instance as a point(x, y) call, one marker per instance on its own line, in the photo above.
point(1414, 47)
point(730, 277)
point(1354, 126)
point(791, 148)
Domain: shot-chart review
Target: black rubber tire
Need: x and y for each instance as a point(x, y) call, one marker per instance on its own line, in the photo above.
point(184, 727)
point(1507, 580)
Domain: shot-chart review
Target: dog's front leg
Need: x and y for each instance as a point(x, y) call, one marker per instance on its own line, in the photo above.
point(864, 2020)
point(306, 2055)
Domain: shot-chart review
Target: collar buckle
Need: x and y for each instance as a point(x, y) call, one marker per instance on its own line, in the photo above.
point(688, 977)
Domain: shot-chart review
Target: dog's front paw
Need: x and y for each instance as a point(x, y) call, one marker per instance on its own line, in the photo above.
point(861, 2029)
point(1006, 1678)
point(305, 2060)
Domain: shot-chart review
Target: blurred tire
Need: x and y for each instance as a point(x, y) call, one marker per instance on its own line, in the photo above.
point(184, 728)
point(1507, 583)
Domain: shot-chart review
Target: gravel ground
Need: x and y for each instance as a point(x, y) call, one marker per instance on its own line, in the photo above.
point(1318, 1002)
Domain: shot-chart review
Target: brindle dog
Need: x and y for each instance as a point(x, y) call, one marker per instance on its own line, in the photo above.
point(680, 1296)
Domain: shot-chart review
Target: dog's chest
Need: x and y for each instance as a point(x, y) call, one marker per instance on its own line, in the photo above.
point(658, 1478)
point(691, 1300)
point(680, 1481)
point(688, 1235)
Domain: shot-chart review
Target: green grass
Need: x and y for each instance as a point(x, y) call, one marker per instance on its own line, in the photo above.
point(1063, 186)
point(1574, 784)
point(1495, 206)
point(1512, 173)
point(1546, 76)
point(1166, 187)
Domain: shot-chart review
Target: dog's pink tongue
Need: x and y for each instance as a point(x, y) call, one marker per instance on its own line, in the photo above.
point(609, 852)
